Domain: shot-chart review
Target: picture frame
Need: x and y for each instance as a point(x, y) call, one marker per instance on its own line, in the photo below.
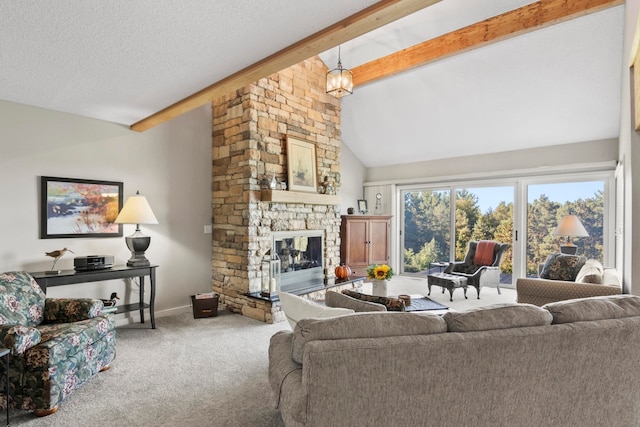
point(302, 171)
point(362, 206)
point(72, 207)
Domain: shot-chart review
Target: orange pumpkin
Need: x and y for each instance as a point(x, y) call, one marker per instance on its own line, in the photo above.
point(343, 271)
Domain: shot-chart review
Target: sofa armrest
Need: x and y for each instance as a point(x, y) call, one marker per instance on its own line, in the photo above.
point(281, 365)
point(542, 291)
point(19, 338)
point(66, 310)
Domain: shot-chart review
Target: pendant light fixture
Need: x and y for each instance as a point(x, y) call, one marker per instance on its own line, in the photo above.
point(339, 80)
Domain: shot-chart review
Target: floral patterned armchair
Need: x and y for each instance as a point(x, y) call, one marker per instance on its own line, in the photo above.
point(56, 344)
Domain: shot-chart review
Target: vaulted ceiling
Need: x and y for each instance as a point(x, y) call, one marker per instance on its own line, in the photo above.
point(124, 60)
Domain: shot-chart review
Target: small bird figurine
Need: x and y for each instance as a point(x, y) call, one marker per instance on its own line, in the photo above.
point(56, 255)
point(111, 301)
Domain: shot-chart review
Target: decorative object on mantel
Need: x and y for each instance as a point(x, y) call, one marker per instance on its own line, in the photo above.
point(283, 185)
point(569, 226)
point(301, 165)
point(326, 187)
point(362, 206)
point(270, 267)
point(137, 211)
point(339, 80)
point(380, 275)
point(273, 184)
point(56, 255)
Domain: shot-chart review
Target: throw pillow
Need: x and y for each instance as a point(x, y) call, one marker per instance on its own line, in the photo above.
point(562, 267)
point(336, 299)
point(296, 308)
point(591, 272)
point(392, 304)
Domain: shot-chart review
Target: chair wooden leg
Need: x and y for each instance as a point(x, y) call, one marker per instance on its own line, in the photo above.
point(45, 412)
point(105, 368)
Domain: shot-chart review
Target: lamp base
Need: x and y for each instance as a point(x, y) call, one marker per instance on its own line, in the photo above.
point(568, 249)
point(138, 243)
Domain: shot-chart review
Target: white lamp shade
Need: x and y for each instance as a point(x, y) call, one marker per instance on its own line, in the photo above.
point(570, 225)
point(136, 211)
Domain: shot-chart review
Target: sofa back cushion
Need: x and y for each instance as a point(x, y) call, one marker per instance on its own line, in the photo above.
point(364, 325)
point(594, 308)
point(562, 267)
point(296, 308)
point(22, 299)
point(498, 316)
point(336, 299)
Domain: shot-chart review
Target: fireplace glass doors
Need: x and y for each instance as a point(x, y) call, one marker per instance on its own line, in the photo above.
point(301, 256)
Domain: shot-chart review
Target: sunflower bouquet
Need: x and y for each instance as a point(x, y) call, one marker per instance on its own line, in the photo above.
point(380, 272)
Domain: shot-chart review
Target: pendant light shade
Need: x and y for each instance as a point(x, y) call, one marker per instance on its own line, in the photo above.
point(339, 80)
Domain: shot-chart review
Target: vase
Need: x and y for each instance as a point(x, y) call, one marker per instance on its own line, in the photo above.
point(379, 288)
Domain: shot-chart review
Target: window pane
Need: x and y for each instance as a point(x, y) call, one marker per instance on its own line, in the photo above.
point(427, 229)
point(485, 213)
point(548, 203)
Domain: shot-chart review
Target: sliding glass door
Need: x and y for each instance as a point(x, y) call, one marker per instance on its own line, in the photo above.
point(438, 223)
point(548, 203)
point(426, 235)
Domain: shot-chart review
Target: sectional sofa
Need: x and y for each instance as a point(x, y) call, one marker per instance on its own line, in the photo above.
point(569, 363)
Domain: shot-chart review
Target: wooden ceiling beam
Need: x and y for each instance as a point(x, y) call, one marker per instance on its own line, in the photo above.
point(375, 16)
point(528, 18)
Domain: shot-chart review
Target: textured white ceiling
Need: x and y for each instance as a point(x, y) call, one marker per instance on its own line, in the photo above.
point(122, 60)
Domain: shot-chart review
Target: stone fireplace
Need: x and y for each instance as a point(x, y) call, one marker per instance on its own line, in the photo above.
point(250, 128)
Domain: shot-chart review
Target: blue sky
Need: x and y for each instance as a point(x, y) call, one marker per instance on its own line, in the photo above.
point(490, 197)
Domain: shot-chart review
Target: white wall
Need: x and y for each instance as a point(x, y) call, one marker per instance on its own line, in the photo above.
point(630, 156)
point(169, 164)
point(352, 173)
point(556, 155)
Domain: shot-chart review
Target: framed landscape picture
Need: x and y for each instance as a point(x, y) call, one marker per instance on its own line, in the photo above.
point(72, 207)
point(301, 165)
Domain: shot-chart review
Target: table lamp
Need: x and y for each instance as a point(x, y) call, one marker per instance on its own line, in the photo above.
point(137, 211)
point(569, 226)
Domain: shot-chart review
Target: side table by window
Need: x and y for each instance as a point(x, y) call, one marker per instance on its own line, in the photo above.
point(4, 353)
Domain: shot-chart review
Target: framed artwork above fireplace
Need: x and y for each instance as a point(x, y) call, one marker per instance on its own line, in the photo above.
point(301, 165)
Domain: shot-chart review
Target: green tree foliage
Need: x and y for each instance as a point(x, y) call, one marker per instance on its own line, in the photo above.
point(427, 234)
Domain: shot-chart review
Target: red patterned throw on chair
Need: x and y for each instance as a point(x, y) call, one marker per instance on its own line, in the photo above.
point(484, 252)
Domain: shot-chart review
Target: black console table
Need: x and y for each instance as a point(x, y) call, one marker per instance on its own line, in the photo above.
point(71, 277)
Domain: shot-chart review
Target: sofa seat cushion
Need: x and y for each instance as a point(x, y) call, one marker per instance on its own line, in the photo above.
point(391, 304)
point(60, 341)
point(337, 299)
point(296, 308)
point(562, 267)
point(498, 316)
point(594, 308)
point(364, 325)
point(21, 299)
point(591, 272)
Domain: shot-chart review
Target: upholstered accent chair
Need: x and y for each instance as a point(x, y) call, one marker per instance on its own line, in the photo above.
point(56, 344)
point(476, 264)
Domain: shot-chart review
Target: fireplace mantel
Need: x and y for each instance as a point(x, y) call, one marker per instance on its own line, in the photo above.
point(280, 196)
